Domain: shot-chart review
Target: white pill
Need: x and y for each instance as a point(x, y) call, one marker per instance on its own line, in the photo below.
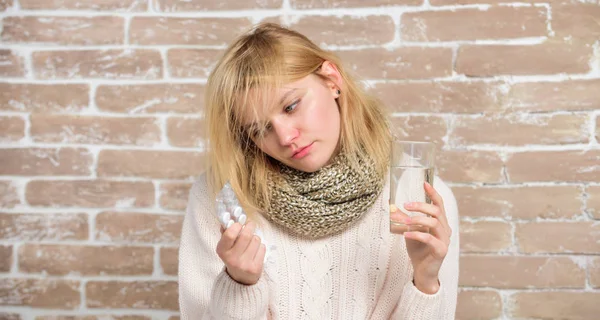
point(225, 217)
point(242, 219)
point(237, 212)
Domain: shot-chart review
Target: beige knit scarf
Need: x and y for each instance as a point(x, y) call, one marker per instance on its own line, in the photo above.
point(324, 202)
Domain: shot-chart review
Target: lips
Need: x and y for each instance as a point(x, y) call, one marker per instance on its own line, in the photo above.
point(300, 150)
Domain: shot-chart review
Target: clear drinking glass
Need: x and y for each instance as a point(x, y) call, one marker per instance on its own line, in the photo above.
point(412, 163)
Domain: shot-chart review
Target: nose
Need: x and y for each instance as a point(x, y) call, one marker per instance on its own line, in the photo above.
point(285, 131)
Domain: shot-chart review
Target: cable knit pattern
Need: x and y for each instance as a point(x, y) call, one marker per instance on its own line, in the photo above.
point(317, 285)
point(361, 273)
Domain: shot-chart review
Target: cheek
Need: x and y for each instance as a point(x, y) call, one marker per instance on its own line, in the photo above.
point(269, 147)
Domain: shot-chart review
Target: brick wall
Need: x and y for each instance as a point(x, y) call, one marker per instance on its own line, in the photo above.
point(99, 118)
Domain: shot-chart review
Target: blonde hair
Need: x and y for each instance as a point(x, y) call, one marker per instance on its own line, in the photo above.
point(262, 60)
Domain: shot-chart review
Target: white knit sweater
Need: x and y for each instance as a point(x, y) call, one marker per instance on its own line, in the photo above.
point(362, 273)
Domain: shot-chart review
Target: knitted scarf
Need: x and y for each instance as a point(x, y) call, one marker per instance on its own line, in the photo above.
point(325, 202)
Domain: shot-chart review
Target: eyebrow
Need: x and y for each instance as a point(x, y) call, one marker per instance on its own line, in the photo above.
point(281, 101)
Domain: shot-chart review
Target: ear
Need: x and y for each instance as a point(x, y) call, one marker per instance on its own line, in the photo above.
point(334, 82)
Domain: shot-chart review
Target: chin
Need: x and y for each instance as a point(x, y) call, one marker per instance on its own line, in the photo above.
point(312, 166)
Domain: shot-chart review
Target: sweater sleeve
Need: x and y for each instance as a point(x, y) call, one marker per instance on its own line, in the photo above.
point(417, 305)
point(205, 289)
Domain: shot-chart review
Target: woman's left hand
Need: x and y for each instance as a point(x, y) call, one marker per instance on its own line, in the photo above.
point(426, 250)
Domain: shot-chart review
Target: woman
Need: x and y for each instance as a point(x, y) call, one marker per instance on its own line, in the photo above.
point(307, 153)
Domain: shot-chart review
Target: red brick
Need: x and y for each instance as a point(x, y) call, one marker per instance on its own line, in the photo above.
point(85, 260)
point(469, 166)
point(542, 59)
point(201, 5)
point(598, 128)
point(567, 166)
point(313, 4)
point(346, 30)
point(135, 295)
point(519, 202)
point(187, 133)
point(174, 196)
point(593, 201)
point(593, 265)
point(440, 97)
point(94, 130)
point(43, 227)
point(42, 98)
point(45, 162)
point(12, 129)
point(151, 98)
point(478, 304)
point(6, 254)
point(533, 272)
point(572, 95)
point(554, 305)
point(90, 193)
point(475, 24)
point(581, 237)
point(139, 64)
point(9, 196)
point(3, 315)
point(190, 31)
point(420, 128)
point(11, 64)
point(532, 129)
point(485, 236)
point(169, 260)
point(192, 63)
point(400, 63)
point(40, 293)
point(5, 4)
point(127, 227)
point(464, 2)
point(104, 5)
point(150, 164)
point(64, 30)
point(579, 20)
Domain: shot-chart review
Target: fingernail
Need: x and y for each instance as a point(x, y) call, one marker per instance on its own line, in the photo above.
point(393, 208)
point(408, 204)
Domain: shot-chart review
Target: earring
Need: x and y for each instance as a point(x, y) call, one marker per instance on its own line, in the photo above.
point(339, 92)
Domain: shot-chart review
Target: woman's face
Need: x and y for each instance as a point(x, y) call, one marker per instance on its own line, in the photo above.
point(303, 131)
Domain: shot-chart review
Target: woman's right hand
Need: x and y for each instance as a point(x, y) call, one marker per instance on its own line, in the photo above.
point(242, 252)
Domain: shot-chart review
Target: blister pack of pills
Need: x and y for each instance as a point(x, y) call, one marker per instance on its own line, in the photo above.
point(229, 210)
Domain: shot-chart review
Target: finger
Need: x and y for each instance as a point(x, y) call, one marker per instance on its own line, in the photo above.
point(260, 255)
point(396, 213)
point(252, 248)
point(228, 237)
point(435, 197)
point(428, 224)
point(428, 209)
point(439, 248)
point(243, 239)
point(398, 220)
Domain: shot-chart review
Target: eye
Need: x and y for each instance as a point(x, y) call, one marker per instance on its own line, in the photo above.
point(292, 106)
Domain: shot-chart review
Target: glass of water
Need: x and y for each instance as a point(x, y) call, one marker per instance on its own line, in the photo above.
point(412, 163)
